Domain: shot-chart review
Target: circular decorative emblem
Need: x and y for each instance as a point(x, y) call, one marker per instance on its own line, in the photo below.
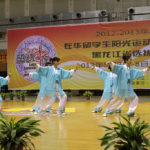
point(33, 49)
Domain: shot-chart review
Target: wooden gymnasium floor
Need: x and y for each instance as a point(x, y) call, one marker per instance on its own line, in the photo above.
point(78, 130)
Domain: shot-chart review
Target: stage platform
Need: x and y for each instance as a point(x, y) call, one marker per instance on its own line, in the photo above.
point(77, 129)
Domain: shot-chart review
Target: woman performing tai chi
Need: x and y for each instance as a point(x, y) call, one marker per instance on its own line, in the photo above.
point(37, 76)
point(126, 74)
point(110, 82)
point(52, 87)
point(4, 81)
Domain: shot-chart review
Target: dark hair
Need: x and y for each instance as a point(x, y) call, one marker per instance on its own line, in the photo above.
point(126, 57)
point(48, 64)
point(54, 59)
point(109, 68)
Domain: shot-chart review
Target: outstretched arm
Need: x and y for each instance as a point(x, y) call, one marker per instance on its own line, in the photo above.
point(65, 74)
point(111, 64)
point(8, 76)
point(146, 70)
point(139, 73)
point(72, 71)
point(35, 64)
point(100, 72)
point(39, 68)
point(94, 68)
point(34, 76)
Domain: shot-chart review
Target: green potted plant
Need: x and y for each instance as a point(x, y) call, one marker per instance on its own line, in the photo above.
point(23, 94)
point(126, 135)
point(16, 135)
point(87, 94)
point(3, 95)
point(11, 95)
point(69, 94)
point(18, 95)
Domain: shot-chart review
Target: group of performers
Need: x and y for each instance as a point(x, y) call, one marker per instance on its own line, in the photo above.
point(117, 86)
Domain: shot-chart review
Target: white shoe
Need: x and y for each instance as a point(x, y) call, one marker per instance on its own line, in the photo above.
point(131, 114)
point(95, 110)
point(104, 115)
point(48, 109)
point(35, 113)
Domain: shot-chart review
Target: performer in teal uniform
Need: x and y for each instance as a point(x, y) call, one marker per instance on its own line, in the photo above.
point(52, 87)
point(4, 81)
point(126, 74)
point(37, 76)
point(110, 83)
